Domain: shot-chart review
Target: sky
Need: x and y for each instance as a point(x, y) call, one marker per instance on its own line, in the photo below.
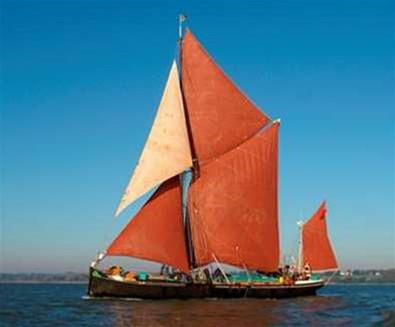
point(81, 82)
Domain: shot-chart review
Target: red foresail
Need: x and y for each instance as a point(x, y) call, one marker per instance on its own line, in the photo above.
point(317, 249)
point(233, 206)
point(156, 233)
point(221, 117)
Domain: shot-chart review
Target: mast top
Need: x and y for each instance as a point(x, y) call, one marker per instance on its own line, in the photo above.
point(181, 18)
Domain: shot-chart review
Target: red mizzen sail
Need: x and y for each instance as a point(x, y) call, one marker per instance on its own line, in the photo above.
point(221, 117)
point(156, 233)
point(233, 206)
point(317, 249)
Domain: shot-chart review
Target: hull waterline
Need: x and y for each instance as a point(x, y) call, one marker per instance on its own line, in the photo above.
point(106, 287)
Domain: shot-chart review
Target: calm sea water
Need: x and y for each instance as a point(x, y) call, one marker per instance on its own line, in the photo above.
point(65, 305)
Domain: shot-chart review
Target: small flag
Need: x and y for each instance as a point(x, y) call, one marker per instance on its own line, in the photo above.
point(183, 18)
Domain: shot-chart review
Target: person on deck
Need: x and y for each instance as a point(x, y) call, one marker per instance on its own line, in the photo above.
point(307, 270)
point(293, 272)
point(115, 272)
point(165, 270)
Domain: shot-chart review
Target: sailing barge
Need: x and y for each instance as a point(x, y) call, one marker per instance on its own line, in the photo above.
point(211, 150)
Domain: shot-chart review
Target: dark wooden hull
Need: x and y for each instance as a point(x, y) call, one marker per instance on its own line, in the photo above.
point(106, 287)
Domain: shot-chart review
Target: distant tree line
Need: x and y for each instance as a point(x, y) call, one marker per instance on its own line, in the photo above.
point(44, 277)
point(363, 276)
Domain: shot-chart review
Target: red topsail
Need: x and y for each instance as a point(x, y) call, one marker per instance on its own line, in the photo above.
point(221, 117)
point(317, 249)
point(156, 233)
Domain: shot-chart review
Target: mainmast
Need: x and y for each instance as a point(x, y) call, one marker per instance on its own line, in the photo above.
point(185, 176)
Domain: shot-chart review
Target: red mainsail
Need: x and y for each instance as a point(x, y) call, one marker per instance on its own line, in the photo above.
point(156, 233)
point(221, 117)
point(317, 249)
point(233, 206)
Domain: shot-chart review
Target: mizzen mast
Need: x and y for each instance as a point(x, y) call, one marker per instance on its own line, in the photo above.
point(300, 246)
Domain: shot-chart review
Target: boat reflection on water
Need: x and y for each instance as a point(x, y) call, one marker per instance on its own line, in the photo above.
point(208, 312)
point(312, 310)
